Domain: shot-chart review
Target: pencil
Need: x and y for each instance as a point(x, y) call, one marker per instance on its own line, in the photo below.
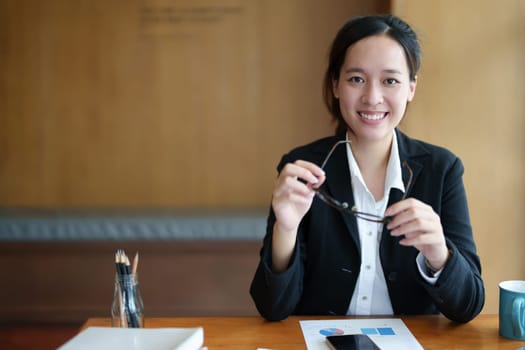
point(135, 263)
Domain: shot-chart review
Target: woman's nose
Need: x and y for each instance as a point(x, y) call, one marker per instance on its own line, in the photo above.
point(372, 95)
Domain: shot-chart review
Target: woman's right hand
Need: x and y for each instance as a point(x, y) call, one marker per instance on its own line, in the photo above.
point(294, 191)
point(293, 194)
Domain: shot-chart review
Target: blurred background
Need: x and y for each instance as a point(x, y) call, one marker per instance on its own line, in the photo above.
point(189, 104)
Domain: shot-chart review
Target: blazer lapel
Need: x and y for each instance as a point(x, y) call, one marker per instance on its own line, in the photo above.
point(408, 153)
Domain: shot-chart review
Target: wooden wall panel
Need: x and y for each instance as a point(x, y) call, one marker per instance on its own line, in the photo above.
point(470, 99)
point(158, 102)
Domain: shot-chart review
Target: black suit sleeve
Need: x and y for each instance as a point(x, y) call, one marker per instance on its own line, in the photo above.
point(276, 295)
point(459, 292)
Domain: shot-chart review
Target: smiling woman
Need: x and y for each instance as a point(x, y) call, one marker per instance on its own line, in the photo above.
point(373, 96)
point(406, 264)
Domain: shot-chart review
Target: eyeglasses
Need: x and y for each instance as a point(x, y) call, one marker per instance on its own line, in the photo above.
point(343, 206)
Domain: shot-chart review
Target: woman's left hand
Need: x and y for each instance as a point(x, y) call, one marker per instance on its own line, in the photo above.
point(421, 228)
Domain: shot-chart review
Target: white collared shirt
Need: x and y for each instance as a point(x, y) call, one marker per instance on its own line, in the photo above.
point(371, 294)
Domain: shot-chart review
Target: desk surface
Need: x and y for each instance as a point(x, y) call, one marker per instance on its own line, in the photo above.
point(433, 332)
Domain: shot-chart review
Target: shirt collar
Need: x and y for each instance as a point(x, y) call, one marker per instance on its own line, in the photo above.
point(394, 178)
point(394, 175)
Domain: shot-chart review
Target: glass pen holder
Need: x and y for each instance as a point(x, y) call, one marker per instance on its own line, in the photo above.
point(127, 309)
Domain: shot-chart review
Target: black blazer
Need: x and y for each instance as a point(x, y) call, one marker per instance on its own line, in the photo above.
point(324, 268)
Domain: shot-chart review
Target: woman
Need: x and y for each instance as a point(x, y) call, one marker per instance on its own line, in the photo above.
point(369, 221)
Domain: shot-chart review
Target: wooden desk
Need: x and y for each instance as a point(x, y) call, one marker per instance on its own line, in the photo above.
point(433, 332)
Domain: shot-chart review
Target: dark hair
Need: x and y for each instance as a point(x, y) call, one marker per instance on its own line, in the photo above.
point(358, 28)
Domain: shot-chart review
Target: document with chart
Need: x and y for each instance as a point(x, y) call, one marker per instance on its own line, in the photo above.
point(387, 333)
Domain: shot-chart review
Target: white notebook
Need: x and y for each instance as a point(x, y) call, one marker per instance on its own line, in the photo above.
point(108, 338)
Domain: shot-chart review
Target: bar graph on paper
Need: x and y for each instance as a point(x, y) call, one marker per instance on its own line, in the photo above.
point(388, 333)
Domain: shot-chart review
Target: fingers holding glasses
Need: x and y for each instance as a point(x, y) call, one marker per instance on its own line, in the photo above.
point(300, 175)
point(293, 191)
point(421, 228)
point(411, 218)
point(310, 172)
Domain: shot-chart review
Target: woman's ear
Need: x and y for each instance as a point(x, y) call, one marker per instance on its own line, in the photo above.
point(412, 89)
point(335, 88)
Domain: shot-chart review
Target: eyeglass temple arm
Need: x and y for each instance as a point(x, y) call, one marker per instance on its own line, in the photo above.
point(332, 151)
point(410, 176)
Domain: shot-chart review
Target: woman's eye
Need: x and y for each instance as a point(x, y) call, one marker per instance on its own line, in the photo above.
point(356, 80)
point(391, 81)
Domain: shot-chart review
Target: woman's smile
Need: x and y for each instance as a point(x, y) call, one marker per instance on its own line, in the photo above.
point(372, 116)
